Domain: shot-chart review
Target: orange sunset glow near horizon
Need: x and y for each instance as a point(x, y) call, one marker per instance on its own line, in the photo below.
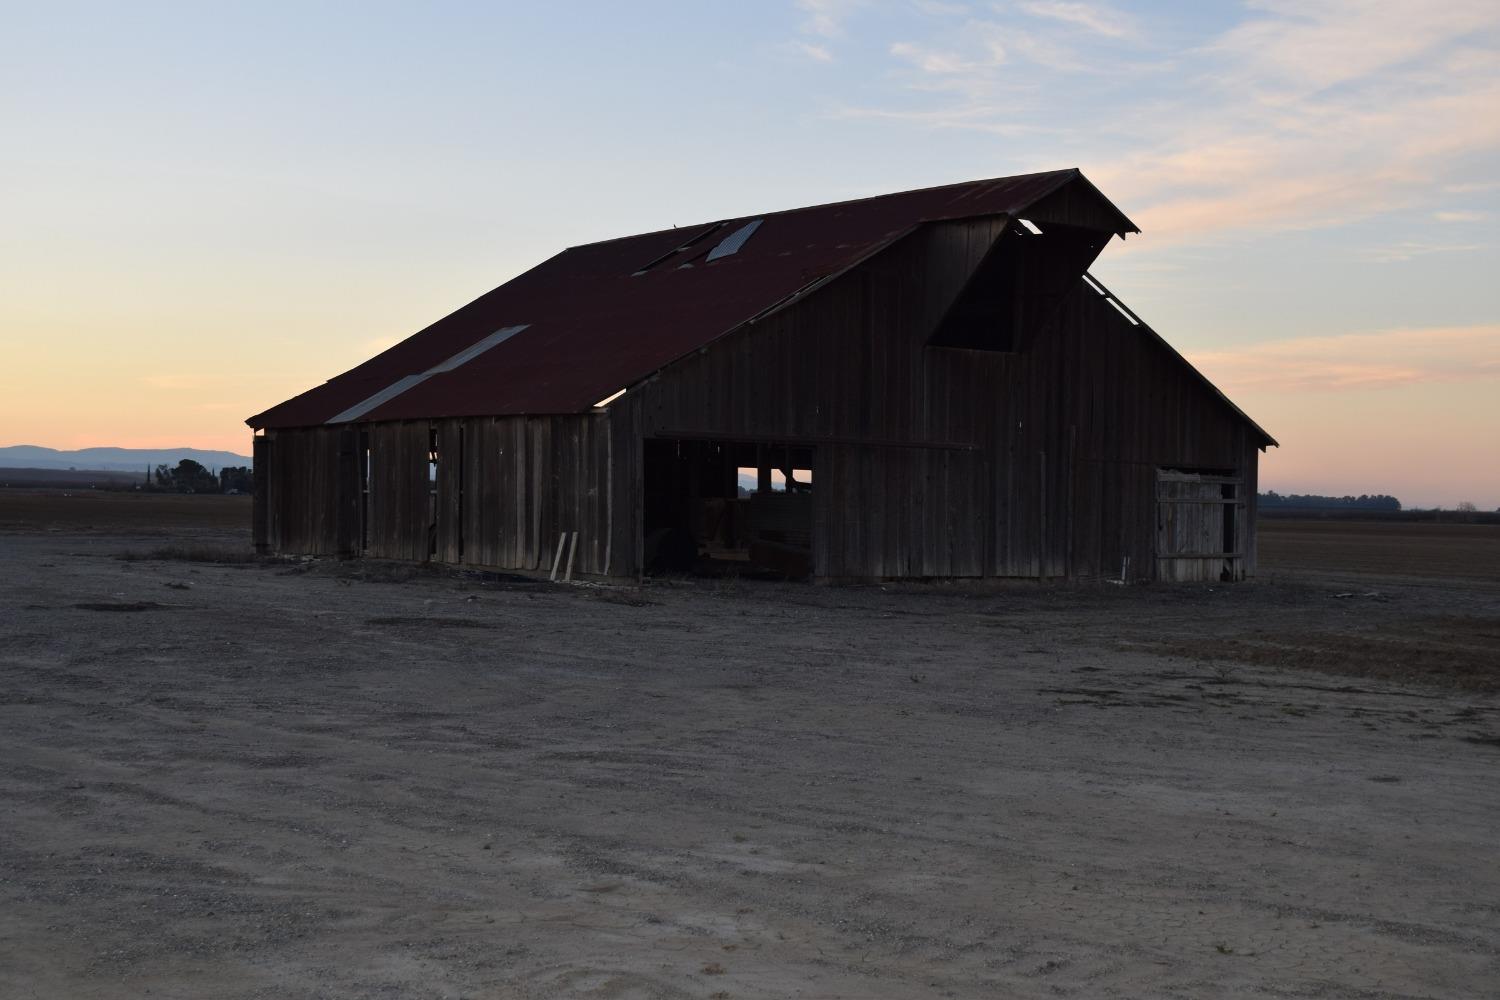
point(208, 210)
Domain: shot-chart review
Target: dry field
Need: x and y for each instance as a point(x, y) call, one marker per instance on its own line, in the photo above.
point(1451, 552)
point(294, 780)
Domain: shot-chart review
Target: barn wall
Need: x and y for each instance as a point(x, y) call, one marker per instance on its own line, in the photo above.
point(1115, 406)
point(302, 491)
point(260, 532)
point(946, 462)
point(846, 371)
point(400, 489)
point(525, 481)
point(503, 490)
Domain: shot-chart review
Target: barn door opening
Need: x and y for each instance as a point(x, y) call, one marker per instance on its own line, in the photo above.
point(717, 508)
point(1199, 525)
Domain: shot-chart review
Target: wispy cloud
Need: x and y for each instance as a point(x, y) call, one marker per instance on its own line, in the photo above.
point(1306, 114)
point(812, 50)
point(1395, 253)
point(1345, 112)
point(937, 8)
point(1382, 359)
point(974, 118)
point(1004, 41)
point(823, 22)
point(1307, 45)
point(827, 17)
point(1460, 216)
point(1471, 187)
point(931, 60)
point(1097, 18)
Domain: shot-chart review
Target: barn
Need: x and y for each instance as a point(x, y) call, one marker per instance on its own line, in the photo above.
point(926, 384)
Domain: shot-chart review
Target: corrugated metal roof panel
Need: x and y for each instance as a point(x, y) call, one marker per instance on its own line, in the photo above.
point(468, 354)
point(602, 316)
point(385, 395)
point(406, 382)
point(731, 244)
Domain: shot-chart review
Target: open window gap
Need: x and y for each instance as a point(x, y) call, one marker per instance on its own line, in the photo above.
point(697, 238)
point(983, 316)
point(732, 243)
point(1015, 294)
point(716, 508)
point(782, 481)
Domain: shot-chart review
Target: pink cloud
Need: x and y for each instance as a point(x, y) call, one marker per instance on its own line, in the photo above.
point(1383, 359)
point(1097, 18)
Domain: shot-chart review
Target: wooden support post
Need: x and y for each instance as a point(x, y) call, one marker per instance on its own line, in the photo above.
point(572, 551)
point(609, 498)
point(557, 556)
point(762, 469)
point(260, 503)
point(1042, 549)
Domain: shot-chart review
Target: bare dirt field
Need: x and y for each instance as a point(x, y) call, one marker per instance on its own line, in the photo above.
point(248, 779)
point(1450, 552)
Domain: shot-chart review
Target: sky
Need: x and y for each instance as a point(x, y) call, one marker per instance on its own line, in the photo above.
point(207, 208)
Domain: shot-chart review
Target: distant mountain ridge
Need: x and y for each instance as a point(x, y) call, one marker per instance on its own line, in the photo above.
point(30, 456)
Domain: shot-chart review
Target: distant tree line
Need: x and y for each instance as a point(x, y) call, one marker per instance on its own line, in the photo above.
point(1311, 501)
point(191, 477)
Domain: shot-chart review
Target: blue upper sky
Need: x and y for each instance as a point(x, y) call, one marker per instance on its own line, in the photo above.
point(208, 207)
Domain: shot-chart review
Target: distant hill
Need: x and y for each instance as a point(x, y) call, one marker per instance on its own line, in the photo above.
point(30, 456)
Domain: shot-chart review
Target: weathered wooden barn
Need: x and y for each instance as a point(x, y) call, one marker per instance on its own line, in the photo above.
point(924, 384)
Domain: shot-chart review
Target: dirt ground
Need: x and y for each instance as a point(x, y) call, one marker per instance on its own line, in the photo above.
point(294, 780)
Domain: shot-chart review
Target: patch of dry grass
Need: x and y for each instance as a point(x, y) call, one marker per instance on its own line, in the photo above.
point(1460, 651)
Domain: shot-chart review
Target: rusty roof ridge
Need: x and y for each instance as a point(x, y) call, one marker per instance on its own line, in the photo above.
point(1064, 175)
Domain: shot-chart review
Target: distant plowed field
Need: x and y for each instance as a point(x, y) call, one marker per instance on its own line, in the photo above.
point(85, 510)
point(1445, 551)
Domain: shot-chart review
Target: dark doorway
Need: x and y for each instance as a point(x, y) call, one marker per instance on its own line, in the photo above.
point(720, 508)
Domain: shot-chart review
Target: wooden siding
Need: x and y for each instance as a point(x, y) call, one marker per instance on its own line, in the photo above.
point(504, 490)
point(1199, 526)
point(302, 494)
point(526, 481)
point(260, 460)
point(399, 505)
point(947, 462)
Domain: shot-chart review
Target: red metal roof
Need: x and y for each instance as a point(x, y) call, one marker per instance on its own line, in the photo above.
point(596, 323)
